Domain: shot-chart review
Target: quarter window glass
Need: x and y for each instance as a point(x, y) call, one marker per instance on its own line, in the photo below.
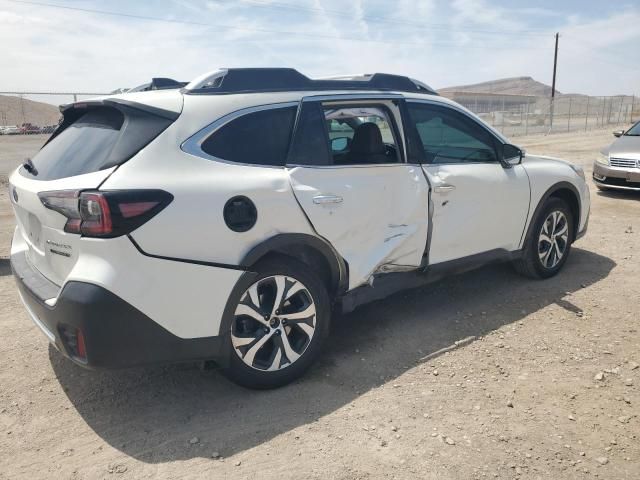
point(450, 137)
point(259, 138)
point(360, 135)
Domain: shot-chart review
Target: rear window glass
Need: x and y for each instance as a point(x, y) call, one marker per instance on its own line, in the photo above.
point(259, 138)
point(83, 147)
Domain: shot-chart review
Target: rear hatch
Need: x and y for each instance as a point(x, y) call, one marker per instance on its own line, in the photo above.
point(93, 139)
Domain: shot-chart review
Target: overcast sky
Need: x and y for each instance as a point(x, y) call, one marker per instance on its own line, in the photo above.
point(440, 42)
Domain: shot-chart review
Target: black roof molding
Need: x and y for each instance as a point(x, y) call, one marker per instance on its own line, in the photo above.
point(253, 80)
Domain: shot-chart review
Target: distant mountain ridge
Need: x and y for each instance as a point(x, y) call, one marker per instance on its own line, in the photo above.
point(16, 111)
point(511, 86)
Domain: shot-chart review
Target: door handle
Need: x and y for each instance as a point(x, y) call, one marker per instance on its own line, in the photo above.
point(443, 188)
point(326, 199)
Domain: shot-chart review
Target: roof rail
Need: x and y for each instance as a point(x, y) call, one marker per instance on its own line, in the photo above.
point(159, 83)
point(253, 80)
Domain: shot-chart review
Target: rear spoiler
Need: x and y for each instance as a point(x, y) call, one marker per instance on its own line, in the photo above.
point(120, 104)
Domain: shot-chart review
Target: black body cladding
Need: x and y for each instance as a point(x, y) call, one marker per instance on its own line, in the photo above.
point(116, 333)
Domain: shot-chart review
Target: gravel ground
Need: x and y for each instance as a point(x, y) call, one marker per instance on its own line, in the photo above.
point(483, 375)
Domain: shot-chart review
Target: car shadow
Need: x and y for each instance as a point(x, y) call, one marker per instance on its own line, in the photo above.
point(5, 267)
point(620, 194)
point(150, 414)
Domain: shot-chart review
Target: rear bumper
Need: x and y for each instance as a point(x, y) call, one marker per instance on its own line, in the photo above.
point(116, 334)
point(616, 178)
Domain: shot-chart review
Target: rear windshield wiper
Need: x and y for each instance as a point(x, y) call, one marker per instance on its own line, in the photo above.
point(30, 167)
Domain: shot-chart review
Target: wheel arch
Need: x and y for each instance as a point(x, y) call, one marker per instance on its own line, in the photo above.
point(565, 191)
point(313, 251)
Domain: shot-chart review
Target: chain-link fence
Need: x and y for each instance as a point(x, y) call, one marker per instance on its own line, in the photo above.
point(516, 115)
point(513, 115)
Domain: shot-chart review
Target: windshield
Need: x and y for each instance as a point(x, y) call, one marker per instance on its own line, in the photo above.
point(634, 131)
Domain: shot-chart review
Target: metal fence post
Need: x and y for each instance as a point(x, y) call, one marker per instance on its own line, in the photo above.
point(569, 118)
point(521, 112)
point(620, 110)
point(633, 101)
point(526, 120)
point(586, 115)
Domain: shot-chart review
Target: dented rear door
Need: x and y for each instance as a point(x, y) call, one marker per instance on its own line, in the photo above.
point(375, 215)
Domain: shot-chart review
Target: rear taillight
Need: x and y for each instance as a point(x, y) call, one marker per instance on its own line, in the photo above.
point(95, 214)
point(66, 203)
point(105, 214)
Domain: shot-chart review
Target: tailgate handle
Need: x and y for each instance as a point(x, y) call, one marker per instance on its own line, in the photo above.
point(326, 199)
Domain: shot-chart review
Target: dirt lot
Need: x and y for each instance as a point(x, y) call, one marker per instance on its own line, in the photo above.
point(484, 375)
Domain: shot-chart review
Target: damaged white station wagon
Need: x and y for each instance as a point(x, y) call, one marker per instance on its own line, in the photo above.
point(226, 218)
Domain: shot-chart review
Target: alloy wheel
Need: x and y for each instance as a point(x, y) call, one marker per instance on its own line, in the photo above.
point(553, 239)
point(273, 323)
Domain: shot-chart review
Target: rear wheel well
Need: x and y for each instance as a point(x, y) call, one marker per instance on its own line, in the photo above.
point(571, 199)
point(316, 261)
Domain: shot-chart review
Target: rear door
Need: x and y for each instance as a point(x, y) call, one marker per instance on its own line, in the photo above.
point(91, 142)
point(478, 205)
point(348, 171)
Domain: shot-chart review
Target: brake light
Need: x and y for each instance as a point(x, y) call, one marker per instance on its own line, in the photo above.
point(95, 214)
point(66, 203)
point(105, 214)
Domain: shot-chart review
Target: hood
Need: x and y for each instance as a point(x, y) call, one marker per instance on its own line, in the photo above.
point(626, 146)
point(529, 158)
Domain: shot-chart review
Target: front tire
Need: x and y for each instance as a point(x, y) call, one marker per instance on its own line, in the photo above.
point(277, 325)
point(548, 244)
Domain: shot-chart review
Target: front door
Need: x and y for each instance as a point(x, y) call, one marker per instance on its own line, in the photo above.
point(356, 188)
point(478, 205)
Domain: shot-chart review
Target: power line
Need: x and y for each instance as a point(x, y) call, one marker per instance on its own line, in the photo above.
point(264, 30)
point(380, 19)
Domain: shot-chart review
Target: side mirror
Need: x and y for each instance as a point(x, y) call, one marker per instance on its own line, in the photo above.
point(339, 144)
point(618, 133)
point(511, 155)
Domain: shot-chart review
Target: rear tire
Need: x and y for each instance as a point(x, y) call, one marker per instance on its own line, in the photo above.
point(271, 345)
point(548, 244)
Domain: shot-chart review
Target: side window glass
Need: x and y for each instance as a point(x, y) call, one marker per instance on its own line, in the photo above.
point(449, 137)
point(259, 138)
point(360, 135)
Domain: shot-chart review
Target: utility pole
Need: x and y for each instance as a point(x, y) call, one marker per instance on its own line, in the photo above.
point(553, 83)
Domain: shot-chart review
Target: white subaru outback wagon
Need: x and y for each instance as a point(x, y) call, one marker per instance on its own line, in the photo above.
point(225, 219)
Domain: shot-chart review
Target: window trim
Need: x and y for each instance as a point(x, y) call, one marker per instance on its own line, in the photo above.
point(193, 144)
point(373, 101)
point(498, 141)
